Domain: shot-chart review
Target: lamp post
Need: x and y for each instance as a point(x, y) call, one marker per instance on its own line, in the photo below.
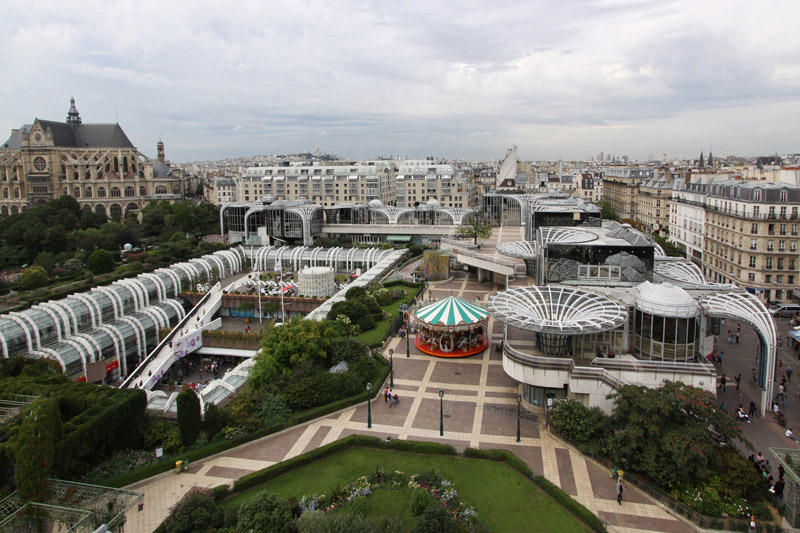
point(391, 367)
point(369, 407)
point(441, 412)
point(519, 402)
point(403, 309)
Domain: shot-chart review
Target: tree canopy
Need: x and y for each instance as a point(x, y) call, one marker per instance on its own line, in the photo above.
point(474, 227)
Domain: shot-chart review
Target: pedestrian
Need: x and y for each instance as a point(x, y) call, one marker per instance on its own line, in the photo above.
point(737, 337)
point(730, 336)
point(620, 488)
point(722, 381)
point(391, 397)
point(760, 459)
point(395, 399)
point(738, 379)
point(790, 435)
point(788, 373)
point(752, 410)
point(719, 357)
point(386, 395)
point(779, 489)
point(752, 523)
point(767, 468)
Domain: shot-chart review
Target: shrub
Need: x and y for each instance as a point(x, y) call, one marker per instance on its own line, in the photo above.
point(420, 500)
point(196, 511)
point(435, 519)
point(189, 420)
point(579, 511)
point(265, 512)
point(214, 420)
point(33, 278)
point(100, 262)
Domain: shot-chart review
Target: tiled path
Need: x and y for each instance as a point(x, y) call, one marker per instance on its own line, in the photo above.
point(479, 410)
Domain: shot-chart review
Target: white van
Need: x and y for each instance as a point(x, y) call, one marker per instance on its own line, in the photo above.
point(784, 310)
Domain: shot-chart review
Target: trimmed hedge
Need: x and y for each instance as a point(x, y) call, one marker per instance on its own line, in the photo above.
point(565, 500)
point(168, 462)
point(579, 511)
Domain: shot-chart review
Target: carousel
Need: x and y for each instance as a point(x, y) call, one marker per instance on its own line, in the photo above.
point(451, 328)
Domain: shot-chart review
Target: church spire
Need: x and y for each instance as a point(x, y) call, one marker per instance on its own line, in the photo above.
point(73, 117)
point(710, 159)
point(702, 161)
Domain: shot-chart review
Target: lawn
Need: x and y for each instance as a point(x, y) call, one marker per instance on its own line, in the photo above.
point(374, 336)
point(504, 499)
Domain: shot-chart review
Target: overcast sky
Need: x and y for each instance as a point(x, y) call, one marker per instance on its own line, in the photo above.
point(559, 79)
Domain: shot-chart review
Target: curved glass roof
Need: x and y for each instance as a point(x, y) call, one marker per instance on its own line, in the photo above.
point(519, 249)
point(680, 271)
point(666, 300)
point(559, 235)
point(553, 309)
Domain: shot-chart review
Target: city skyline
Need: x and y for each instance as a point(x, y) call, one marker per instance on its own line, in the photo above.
point(457, 81)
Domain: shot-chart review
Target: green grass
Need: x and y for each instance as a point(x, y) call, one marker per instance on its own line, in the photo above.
point(504, 499)
point(374, 336)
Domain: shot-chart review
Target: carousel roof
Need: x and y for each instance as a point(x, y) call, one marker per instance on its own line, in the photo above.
point(451, 311)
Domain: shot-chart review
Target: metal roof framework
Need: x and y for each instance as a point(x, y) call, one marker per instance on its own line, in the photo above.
point(556, 309)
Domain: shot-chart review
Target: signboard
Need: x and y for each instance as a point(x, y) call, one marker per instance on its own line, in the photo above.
point(185, 345)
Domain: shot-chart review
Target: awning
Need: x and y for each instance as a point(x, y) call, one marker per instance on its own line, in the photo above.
point(399, 238)
point(795, 335)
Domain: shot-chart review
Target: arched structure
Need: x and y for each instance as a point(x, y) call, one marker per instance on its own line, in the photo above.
point(451, 328)
point(747, 308)
point(528, 251)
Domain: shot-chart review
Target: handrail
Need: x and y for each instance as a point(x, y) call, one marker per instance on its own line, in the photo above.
point(168, 338)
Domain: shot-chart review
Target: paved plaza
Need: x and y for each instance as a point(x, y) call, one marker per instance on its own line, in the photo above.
point(480, 411)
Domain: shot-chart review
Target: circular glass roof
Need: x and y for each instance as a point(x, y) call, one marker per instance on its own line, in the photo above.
point(519, 249)
point(556, 235)
point(562, 310)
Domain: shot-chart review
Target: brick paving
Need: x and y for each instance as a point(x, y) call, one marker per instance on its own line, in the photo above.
point(480, 411)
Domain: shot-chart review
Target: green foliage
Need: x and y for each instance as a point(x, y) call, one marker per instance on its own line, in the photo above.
point(47, 261)
point(274, 409)
point(73, 266)
point(245, 307)
point(579, 511)
point(196, 511)
point(23, 366)
point(189, 418)
point(669, 248)
point(420, 500)
point(340, 522)
point(474, 227)
point(354, 293)
point(265, 512)
point(586, 427)
point(33, 277)
point(36, 449)
point(100, 262)
point(213, 421)
point(664, 433)
point(435, 519)
point(607, 212)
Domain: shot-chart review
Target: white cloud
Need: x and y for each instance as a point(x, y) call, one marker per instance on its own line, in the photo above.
point(555, 78)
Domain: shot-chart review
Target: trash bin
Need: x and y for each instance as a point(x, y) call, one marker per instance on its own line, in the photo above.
point(178, 466)
point(185, 465)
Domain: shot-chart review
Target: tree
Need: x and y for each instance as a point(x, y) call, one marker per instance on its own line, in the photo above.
point(474, 227)
point(36, 449)
point(607, 212)
point(189, 419)
point(100, 262)
point(196, 511)
point(265, 512)
point(435, 519)
point(214, 421)
point(33, 278)
point(665, 432)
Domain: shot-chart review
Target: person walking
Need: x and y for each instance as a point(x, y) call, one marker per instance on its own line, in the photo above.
point(620, 489)
point(738, 379)
point(722, 381)
point(790, 434)
point(386, 395)
point(788, 373)
point(752, 410)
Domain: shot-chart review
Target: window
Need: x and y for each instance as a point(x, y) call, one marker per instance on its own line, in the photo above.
point(115, 193)
point(769, 263)
point(77, 192)
point(161, 190)
point(101, 192)
point(142, 191)
point(781, 262)
point(772, 211)
point(753, 244)
point(770, 245)
point(129, 191)
point(781, 245)
point(783, 229)
point(754, 228)
point(751, 277)
point(771, 229)
point(791, 264)
point(779, 279)
point(768, 278)
point(88, 192)
point(790, 279)
point(752, 261)
point(756, 210)
point(792, 246)
point(784, 195)
point(16, 192)
point(5, 193)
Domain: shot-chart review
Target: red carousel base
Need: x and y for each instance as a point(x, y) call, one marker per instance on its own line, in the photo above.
point(458, 352)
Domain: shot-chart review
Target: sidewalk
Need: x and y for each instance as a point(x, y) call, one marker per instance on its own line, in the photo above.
point(479, 409)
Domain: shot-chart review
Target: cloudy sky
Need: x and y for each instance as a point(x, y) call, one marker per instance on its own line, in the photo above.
point(560, 79)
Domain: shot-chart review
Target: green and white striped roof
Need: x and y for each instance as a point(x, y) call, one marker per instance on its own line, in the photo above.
point(451, 312)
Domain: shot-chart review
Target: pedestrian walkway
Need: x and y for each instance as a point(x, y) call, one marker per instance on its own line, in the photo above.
point(479, 410)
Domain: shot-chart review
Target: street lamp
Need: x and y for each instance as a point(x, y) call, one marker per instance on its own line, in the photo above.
point(369, 407)
point(441, 412)
point(391, 367)
point(519, 402)
point(408, 340)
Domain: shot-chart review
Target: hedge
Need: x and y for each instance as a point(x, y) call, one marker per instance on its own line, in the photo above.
point(168, 462)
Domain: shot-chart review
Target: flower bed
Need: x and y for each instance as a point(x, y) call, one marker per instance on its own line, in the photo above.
point(439, 489)
point(119, 463)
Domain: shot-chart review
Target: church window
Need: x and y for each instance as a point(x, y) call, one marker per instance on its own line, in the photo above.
point(88, 192)
point(115, 192)
point(101, 192)
point(129, 191)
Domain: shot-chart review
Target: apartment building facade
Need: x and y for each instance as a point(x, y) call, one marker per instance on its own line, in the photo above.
point(621, 189)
